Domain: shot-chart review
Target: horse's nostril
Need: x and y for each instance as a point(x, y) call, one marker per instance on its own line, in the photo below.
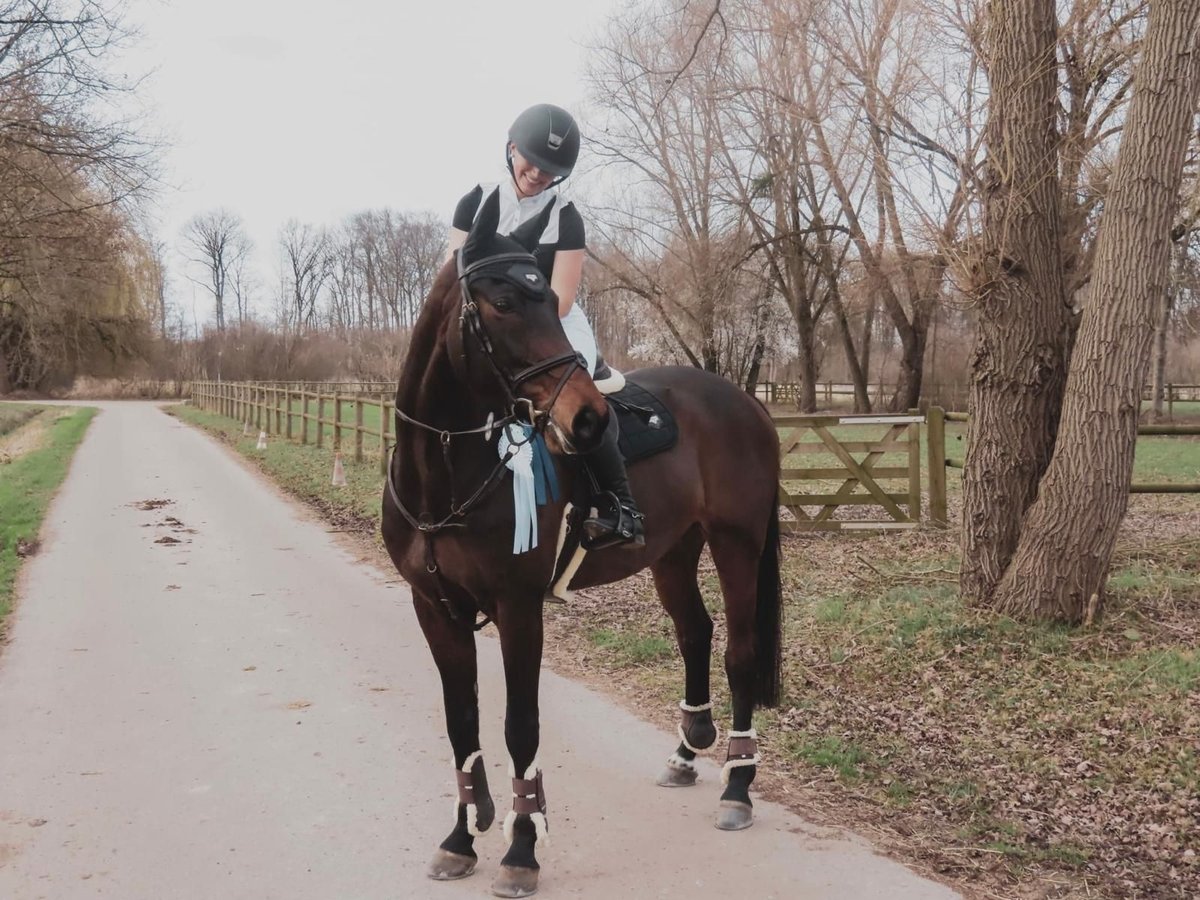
point(586, 426)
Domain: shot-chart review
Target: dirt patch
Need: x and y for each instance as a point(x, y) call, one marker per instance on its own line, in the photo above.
point(146, 505)
point(29, 437)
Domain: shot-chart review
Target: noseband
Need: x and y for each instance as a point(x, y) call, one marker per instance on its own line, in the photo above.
point(470, 320)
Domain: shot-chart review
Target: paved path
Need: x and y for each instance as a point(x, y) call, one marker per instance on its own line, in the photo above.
point(252, 713)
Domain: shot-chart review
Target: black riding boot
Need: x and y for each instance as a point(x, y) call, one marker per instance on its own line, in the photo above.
point(620, 522)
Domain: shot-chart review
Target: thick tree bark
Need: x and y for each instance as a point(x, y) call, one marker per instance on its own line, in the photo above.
point(1060, 566)
point(1019, 362)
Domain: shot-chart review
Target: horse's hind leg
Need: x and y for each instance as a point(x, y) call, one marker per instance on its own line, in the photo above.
point(675, 580)
point(736, 555)
point(453, 648)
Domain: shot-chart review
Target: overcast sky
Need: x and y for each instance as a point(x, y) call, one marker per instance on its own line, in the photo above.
point(279, 109)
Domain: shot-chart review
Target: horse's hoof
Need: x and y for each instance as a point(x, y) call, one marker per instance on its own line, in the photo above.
point(676, 777)
point(515, 881)
point(447, 866)
point(734, 816)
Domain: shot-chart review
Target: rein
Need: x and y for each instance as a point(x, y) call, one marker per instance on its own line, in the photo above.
point(469, 316)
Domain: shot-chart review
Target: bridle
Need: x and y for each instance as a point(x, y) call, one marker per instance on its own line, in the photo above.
point(470, 318)
point(470, 321)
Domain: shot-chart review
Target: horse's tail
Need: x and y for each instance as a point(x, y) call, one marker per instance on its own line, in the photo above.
point(768, 617)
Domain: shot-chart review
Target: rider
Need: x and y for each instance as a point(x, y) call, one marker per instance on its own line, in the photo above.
point(543, 145)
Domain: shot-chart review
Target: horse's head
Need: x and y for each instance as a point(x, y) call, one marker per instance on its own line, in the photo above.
point(512, 339)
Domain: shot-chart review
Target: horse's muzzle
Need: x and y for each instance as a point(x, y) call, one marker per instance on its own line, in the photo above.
point(587, 428)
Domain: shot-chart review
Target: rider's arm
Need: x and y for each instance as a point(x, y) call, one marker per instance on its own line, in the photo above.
point(568, 261)
point(568, 269)
point(464, 215)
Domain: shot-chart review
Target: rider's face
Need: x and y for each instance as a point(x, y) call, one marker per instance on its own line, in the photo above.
point(528, 178)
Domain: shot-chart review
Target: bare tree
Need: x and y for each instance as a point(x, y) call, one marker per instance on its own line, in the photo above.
point(306, 261)
point(656, 79)
point(241, 275)
point(1024, 320)
point(1181, 236)
point(781, 177)
point(1061, 563)
point(69, 178)
point(215, 241)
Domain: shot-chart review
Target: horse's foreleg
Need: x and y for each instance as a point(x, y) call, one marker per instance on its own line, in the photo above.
point(736, 560)
point(675, 581)
point(520, 625)
point(453, 648)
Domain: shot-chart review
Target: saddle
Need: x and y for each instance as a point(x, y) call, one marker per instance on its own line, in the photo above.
point(647, 426)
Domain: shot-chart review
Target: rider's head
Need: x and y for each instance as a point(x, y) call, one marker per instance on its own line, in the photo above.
point(543, 145)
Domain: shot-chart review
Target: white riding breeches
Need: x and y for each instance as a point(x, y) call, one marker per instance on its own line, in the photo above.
point(579, 333)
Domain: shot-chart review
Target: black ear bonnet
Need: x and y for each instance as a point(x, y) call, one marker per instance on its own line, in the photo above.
point(486, 254)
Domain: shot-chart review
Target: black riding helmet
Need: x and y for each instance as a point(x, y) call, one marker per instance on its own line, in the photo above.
point(548, 137)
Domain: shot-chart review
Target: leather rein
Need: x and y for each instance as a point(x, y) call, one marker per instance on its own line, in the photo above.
point(470, 319)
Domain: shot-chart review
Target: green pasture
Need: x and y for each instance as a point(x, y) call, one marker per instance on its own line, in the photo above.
point(28, 482)
point(306, 429)
point(1158, 459)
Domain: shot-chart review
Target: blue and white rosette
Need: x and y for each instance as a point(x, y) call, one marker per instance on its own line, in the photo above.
point(534, 480)
point(524, 493)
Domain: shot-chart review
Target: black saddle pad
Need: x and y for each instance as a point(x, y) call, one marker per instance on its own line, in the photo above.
point(647, 426)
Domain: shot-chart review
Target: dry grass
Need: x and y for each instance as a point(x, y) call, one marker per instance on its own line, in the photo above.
point(1011, 760)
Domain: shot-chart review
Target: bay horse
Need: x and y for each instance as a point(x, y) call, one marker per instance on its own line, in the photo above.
point(487, 350)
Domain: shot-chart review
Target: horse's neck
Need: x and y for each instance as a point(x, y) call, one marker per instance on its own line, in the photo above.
point(431, 392)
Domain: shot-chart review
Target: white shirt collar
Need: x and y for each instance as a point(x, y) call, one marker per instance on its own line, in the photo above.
point(515, 210)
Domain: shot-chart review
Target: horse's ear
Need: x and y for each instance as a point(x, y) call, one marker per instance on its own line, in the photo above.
point(484, 228)
point(529, 234)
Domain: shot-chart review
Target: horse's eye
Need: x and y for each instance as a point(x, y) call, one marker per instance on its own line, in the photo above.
point(502, 305)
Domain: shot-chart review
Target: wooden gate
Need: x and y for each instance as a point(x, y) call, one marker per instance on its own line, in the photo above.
point(814, 493)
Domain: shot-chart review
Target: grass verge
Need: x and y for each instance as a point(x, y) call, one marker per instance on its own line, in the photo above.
point(27, 485)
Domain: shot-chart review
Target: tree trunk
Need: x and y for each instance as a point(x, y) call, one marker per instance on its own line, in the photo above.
point(1019, 363)
point(858, 375)
point(755, 368)
point(1160, 355)
point(868, 333)
point(1062, 561)
point(912, 358)
point(1164, 324)
point(806, 402)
